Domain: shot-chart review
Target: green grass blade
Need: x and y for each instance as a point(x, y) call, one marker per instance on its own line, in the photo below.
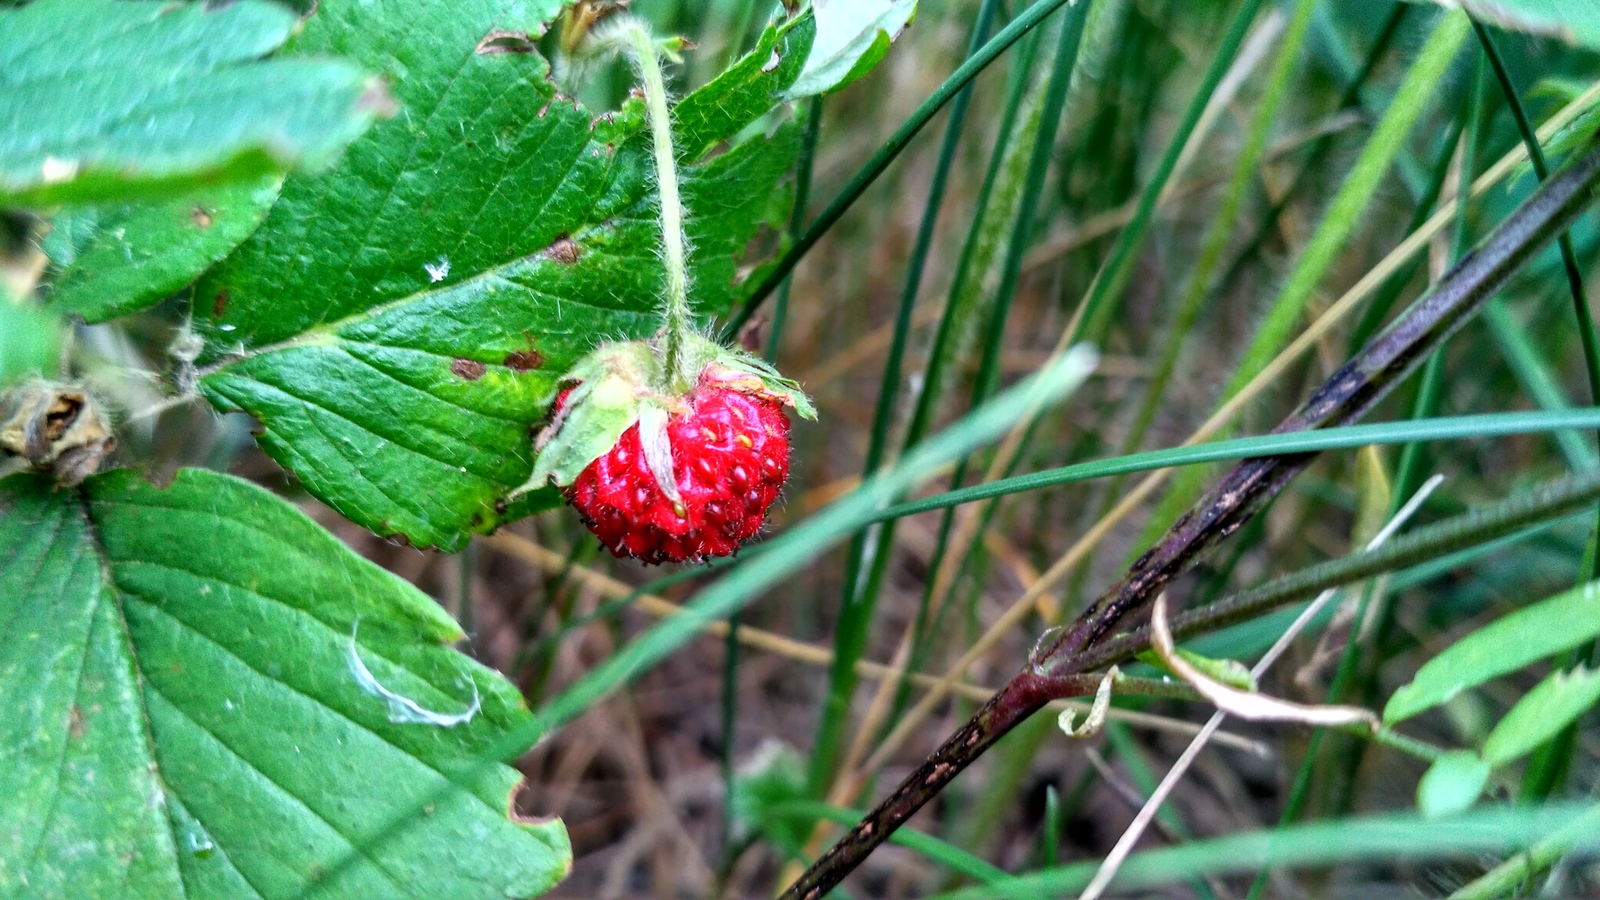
point(870, 549)
point(1511, 875)
point(1328, 241)
point(1510, 518)
point(1216, 240)
point(916, 267)
point(1112, 278)
point(891, 149)
point(797, 219)
point(1039, 164)
point(1532, 370)
point(997, 203)
point(1441, 429)
point(1344, 213)
point(1361, 840)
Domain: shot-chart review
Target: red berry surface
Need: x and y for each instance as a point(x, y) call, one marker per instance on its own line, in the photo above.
point(730, 453)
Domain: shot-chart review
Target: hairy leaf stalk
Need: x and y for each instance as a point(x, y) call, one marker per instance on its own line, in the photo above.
point(646, 58)
point(1346, 396)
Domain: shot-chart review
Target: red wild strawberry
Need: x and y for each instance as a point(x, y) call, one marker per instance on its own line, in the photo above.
point(665, 477)
point(730, 456)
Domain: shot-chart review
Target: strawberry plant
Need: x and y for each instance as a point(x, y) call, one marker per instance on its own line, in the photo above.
point(394, 241)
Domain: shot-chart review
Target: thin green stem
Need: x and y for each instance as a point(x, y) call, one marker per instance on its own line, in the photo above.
point(1569, 259)
point(1427, 543)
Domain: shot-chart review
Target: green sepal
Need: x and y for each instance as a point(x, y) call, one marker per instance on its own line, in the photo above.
point(616, 382)
point(742, 366)
point(608, 388)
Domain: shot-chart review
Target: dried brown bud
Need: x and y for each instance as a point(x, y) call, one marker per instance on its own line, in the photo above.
point(56, 428)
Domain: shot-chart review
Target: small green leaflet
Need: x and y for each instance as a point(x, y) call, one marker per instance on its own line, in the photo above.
point(106, 99)
point(1553, 704)
point(852, 37)
point(1452, 784)
point(397, 325)
point(1506, 645)
point(207, 698)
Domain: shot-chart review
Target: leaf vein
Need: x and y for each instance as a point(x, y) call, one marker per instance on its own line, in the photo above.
point(351, 845)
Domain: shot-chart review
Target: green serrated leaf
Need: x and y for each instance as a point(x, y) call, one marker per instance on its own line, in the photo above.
point(118, 260)
point(1506, 645)
point(101, 100)
point(398, 325)
point(745, 92)
point(1553, 704)
point(852, 37)
point(1574, 21)
point(187, 717)
point(1452, 784)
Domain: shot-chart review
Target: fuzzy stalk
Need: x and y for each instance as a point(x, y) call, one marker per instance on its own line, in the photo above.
point(1347, 395)
point(646, 57)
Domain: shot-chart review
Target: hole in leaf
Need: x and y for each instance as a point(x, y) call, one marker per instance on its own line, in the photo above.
point(496, 42)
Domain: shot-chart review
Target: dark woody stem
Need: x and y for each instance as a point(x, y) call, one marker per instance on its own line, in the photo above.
point(1346, 396)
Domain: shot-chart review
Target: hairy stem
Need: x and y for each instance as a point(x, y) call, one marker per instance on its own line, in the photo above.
point(1347, 395)
point(646, 57)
